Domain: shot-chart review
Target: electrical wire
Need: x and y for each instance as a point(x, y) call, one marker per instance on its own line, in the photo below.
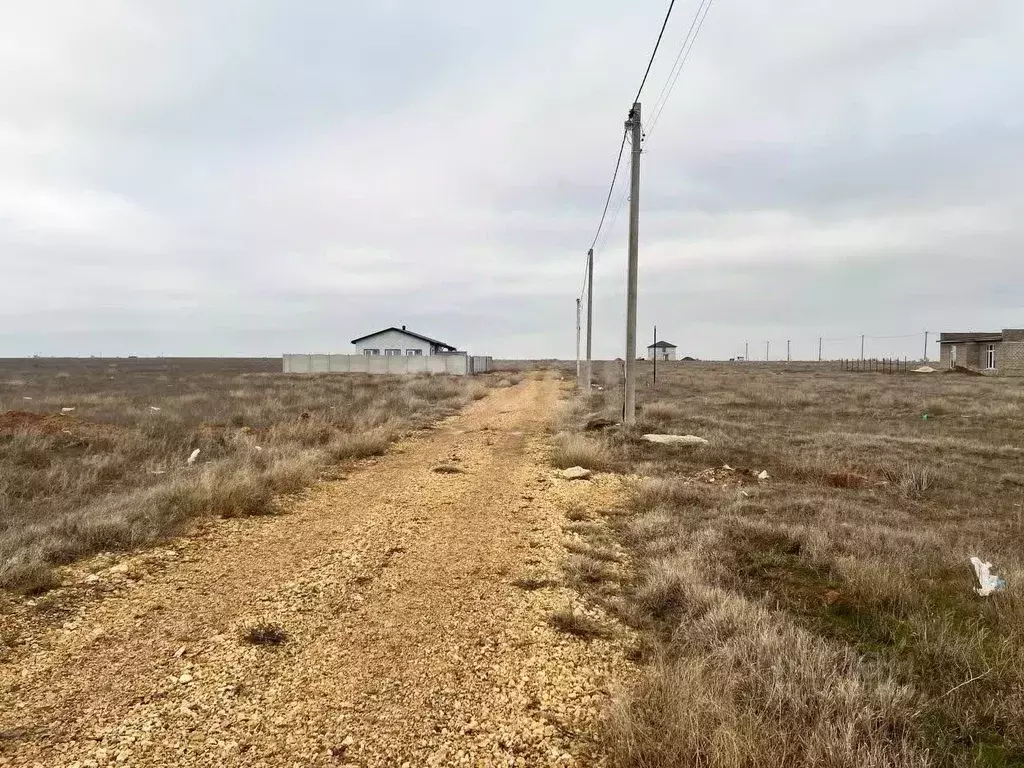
point(654, 53)
point(615, 217)
point(677, 68)
point(611, 188)
point(682, 51)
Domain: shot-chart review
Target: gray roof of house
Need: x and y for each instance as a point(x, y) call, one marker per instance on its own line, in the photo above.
point(407, 332)
point(662, 345)
point(959, 338)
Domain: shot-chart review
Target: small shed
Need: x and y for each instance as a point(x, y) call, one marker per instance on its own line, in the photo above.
point(661, 350)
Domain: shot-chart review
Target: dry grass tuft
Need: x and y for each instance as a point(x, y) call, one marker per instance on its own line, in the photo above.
point(577, 512)
point(593, 550)
point(572, 622)
point(585, 569)
point(28, 578)
point(662, 412)
point(447, 469)
point(263, 633)
point(584, 528)
point(910, 480)
point(578, 451)
point(533, 583)
point(743, 689)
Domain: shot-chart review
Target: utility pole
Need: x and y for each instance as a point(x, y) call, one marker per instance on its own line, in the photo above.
point(862, 346)
point(577, 342)
point(820, 339)
point(655, 354)
point(788, 342)
point(629, 401)
point(767, 346)
point(589, 372)
point(926, 346)
point(746, 351)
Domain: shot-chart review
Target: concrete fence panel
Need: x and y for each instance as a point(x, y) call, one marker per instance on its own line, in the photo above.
point(458, 364)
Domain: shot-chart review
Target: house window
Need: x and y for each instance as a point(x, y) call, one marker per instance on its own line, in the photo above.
point(991, 357)
point(392, 352)
point(371, 352)
point(413, 352)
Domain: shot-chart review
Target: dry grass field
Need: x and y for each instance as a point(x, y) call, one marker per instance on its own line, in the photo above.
point(94, 453)
point(826, 615)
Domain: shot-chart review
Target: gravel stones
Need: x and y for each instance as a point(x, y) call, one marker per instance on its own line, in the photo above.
point(407, 643)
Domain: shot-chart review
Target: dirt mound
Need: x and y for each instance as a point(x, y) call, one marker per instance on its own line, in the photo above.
point(963, 371)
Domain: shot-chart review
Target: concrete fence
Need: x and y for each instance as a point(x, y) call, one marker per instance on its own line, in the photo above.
point(457, 364)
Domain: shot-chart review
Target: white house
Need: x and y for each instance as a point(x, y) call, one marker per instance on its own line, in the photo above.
point(400, 341)
point(663, 350)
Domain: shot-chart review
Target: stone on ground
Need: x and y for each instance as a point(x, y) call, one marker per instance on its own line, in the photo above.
point(675, 439)
point(576, 473)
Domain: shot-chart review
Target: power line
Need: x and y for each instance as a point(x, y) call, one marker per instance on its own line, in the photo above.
point(622, 145)
point(677, 68)
point(611, 188)
point(654, 53)
point(615, 217)
point(682, 50)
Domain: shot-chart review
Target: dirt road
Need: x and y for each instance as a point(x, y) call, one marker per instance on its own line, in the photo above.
point(407, 642)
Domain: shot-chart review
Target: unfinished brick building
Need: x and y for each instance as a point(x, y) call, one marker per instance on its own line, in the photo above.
point(994, 352)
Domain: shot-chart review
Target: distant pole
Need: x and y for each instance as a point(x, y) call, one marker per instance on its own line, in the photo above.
point(767, 346)
point(820, 339)
point(862, 346)
point(926, 346)
point(589, 372)
point(746, 351)
point(655, 354)
point(787, 350)
point(577, 342)
point(633, 124)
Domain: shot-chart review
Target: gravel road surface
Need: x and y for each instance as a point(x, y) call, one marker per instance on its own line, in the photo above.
point(407, 643)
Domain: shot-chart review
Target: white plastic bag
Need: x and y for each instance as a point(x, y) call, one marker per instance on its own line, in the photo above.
point(988, 582)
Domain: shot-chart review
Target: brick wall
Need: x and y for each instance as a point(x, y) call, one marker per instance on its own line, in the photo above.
point(946, 351)
point(975, 355)
point(1010, 358)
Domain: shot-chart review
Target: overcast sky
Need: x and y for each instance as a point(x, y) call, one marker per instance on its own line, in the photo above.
point(248, 177)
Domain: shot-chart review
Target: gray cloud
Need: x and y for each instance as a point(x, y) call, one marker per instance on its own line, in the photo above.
point(245, 178)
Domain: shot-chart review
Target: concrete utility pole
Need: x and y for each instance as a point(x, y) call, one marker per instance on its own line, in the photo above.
point(588, 373)
point(767, 346)
point(926, 346)
point(655, 354)
point(788, 342)
point(862, 346)
point(629, 400)
point(746, 351)
point(820, 339)
point(577, 342)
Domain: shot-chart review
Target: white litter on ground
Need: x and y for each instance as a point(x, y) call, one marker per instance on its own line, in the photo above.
point(987, 580)
point(192, 459)
point(675, 439)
